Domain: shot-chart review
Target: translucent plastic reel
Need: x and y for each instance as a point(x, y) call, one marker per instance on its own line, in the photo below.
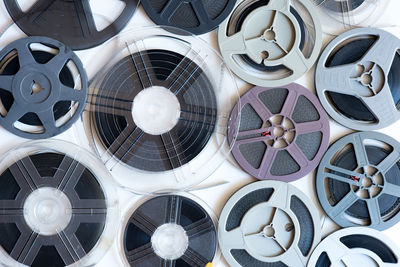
point(205, 60)
point(338, 16)
point(158, 232)
point(102, 176)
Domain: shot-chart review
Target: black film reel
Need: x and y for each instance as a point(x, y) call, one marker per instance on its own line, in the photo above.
point(196, 16)
point(53, 210)
point(159, 214)
point(71, 22)
point(115, 125)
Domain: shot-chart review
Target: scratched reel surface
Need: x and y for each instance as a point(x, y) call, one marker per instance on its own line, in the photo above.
point(158, 116)
point(58, 206)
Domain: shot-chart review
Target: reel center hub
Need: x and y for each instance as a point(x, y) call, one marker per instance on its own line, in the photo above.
point(35, 88)
point(156, 110)
point(170, 241)
point(368, 78)
point(371, 183)
point(269, 35)
point(47, 211)
point(283, 131)
point(269, 231)
point(261, 39)
point(266, 230)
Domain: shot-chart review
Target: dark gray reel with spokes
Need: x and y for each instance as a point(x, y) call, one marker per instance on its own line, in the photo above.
point(195, 16)
point(38, 87)
point(358, 181)
point(52, 210)
point(170, 230)
point(71, 22)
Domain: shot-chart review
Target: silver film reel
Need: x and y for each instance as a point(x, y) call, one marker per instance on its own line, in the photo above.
point(271, 43)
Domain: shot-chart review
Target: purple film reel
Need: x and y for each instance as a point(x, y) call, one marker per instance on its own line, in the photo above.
point(283, 132)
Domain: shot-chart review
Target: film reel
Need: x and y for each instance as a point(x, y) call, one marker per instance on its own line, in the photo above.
point(43, 87)
point(57, 206)
point(172, 230)
point(71, 22)
point(283, 132)
point(355, 246)
point(339, 15)
point(268, 223)
point(341, 6)
point(161, 113)
point(357, 81)
point(274, 51)
point(196, 16)
point(358, 181)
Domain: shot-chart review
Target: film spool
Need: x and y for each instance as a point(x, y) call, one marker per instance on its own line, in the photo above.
point(341, 6)
point(268, 223)
point(161, 113)
point(283, 132)
point(357, 81)
point(58, 206)
point(71, 22)
point(170, 229)
point(358, 181)
point(267, 52)
point(355, 246)
point(43, 87)
point(340, 15)
point(197, 17)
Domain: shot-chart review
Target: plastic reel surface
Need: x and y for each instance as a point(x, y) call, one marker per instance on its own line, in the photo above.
point(195, 16)
point(43, 91)
point(341, 6)
point(356, 246)
point(268, 223)
point(358, 181)
point(161, 113)
point(56, 208)
point(340, 15)
point(71, 22)
point(273, 34)
point(283, 132)
point(357, 81)
point(170, 229)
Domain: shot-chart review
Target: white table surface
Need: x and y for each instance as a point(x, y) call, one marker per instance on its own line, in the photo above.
point(229, 171)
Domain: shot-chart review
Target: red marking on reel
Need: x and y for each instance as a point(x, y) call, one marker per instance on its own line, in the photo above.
point(267, 133)
point(355, 178)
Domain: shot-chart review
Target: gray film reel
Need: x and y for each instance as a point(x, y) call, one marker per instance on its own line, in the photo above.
point(271, 43)
point(356, 246)
point(268, 223)
point(358, 181)
point(357, 79)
